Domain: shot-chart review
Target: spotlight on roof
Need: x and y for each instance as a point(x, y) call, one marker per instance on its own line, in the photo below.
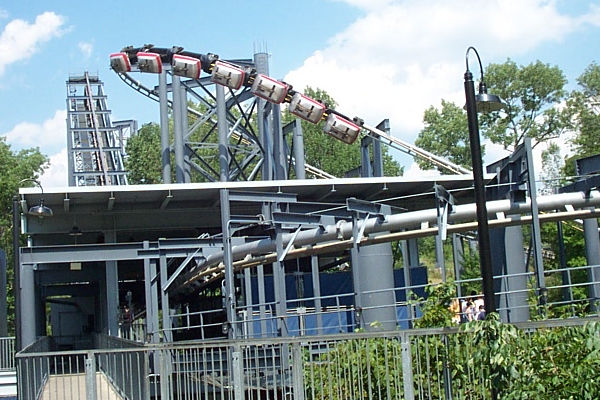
point(227, 75)
point(149, 62)
point(40, 210)
point(341, 128)
point(188, 67)
point(120, 62)
point(269, 89)
point(306, 108)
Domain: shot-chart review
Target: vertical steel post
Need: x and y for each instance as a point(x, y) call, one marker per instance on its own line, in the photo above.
point(261, 63)
point(458, 256)
point(407, 369)
point(90, 376)
point(165, 149)
point(592, 254)
point(16, 223)
point(187, 177)
point(297, 372)
point(112, 289)
point(238, 372)
point(316, 280)
point(164, 301)
point(179, 143)
point(562, 262)
point(298, 144)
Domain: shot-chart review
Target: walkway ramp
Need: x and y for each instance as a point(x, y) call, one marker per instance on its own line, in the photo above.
point(73, 387)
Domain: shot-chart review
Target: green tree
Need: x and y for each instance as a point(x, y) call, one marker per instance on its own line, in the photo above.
point(584, 107)
point(143, 155)
point(445, 134)
point(531, 94)
point(15, 166)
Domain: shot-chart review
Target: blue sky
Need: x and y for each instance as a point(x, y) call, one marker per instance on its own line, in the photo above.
point(377, 58)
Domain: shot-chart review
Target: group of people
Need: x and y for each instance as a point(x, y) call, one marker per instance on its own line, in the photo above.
point(468, 309)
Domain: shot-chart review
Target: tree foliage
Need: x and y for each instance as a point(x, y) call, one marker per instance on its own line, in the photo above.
point(531, 94)
point(445, 134)
point(143, 162)
point(16, 166)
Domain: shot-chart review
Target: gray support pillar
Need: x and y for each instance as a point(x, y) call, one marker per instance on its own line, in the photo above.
point(3, 311)
point(279, 148)
point(261, 63)
point(167, 325)
point(458, 256)
point(378, 298)
point(260, 283)
point(279, 286)
point(178, 131)
point(377, 152)
point(112, 290)
point(27, 309)
point(439, 255)
point(165, 149)
point(248, 297)
point(229, 283)
point(357, 277)
point(298, 144)
point(223, 133)
point(314, 264)
point(592, 254)
point(508, 259)
point(151, 297)
point(187, 177)
point(365, 158)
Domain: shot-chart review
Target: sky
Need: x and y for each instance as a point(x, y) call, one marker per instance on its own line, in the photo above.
point(377, 58)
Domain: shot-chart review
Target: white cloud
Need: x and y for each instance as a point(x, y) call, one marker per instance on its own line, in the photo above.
point(20, 39)
point(56, 174)
point(405, 55)
point(50, 135)
point(86, 48)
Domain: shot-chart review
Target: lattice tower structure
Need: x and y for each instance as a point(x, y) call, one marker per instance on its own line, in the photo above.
point(96, 146)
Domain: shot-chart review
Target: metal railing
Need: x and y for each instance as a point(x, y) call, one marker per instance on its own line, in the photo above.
point(407, 364)
point(7, 353)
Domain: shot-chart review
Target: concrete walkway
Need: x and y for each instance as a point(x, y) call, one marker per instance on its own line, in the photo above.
point(72, 387)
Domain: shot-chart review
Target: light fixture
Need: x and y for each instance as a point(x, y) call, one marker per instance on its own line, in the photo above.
point(120, 62)
point(269, 89)
point(40, 210)
point(149, 62)
point(227, 75)
point(341, 128)
point(306, 108)
point(189, 67)
point(483, 102)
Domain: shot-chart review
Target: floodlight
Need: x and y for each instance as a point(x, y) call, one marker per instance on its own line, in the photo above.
point(269, 89)
point(149, 62)
point(227, 75)
point(306, 108)
point(120, 62)
point(341, 128)
point(40, 210)
point(189, 67)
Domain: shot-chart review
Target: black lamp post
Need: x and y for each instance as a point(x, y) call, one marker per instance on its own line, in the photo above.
point(482, 102)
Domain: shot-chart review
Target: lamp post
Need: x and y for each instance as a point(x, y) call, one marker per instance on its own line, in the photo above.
point(482, 102)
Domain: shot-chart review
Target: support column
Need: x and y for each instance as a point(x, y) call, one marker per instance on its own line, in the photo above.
point(167, 326)
point(27, 309)
point(508, 259)
point(314, 264)
point(112, 290)
point(249, 331)
point(298, 144)
point(165, 149)
point(279, 148)
point(410, 257)
point(279, 285)
point(376, 263)
point(592, 254)
point(458, 256)
point(261, 63)
point(151, 296)
point(178, 131)
point(187, 177)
